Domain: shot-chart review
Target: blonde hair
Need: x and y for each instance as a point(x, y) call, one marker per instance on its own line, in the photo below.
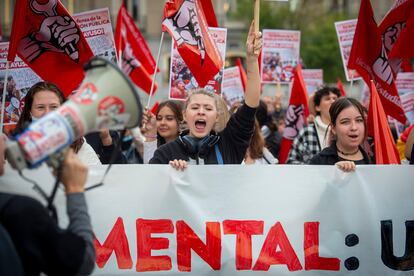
point(200, 92)
point(223, 114)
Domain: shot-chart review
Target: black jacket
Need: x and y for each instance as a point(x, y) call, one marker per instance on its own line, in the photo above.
point(329, 156)
point(105, 152)
point(43, 246)
point(233, 143)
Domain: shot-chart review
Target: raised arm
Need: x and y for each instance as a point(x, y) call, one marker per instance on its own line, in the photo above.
point(253, 48)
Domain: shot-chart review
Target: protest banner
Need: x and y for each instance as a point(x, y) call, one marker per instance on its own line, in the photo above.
point(246, 220)
point(97, 29)
point(280, 55)
point(233, 91)
point(405, 87)
point(345, 31)
point(181, 78)
point(20, 79)
point(313, 79)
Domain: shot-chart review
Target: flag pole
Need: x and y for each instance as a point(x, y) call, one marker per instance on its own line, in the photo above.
point(256, 15)
point(3, 100)
point(156, 69)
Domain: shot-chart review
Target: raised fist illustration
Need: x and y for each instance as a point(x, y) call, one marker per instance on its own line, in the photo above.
point(391, 34)
point(129, 62)
point(186, 28)
point(294, 121)
point(382, 67)
point(57, 34)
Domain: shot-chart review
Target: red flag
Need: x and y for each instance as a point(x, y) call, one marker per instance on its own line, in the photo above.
point(243, 75)
point(406, 66)
point(155, 108)
point(396, 29)
point(385, 150)
point(136, 58)
point(186, 23)
point(296, 114)
point(208, 11)
point(125, 27)
point(368, 56)
point(50, 42)
point(341, 87)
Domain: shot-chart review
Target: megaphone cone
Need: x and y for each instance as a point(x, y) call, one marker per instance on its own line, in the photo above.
point(106, 99)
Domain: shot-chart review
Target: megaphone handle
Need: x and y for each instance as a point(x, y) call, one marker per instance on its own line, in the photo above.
point(111, 161)
point(50, 199)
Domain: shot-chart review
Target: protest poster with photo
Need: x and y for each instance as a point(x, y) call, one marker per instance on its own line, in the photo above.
point(405, 87)
point(97, 29)
point(20, 79)
point(280, 55)
point(232, 86)
point(181, 78)
point(345, 31)
point(313, 79)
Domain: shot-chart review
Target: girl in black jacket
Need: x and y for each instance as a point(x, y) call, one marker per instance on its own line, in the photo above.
point(348, 132)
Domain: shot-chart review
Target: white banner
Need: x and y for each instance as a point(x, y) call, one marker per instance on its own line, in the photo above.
point(247, 220)
point(280, 55)
point(181, 78)
point(345, 31)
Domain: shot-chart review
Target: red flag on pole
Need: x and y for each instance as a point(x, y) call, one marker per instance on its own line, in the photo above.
point(50, 42)
point(208, 11)
point(296, 114)
point(243, 75)
point(186, 23)
point(127, 31)
point(155, 108)
point(341, 87)
point(136, 59)
point(396, 29)
point(368, 56)
point(385, 150)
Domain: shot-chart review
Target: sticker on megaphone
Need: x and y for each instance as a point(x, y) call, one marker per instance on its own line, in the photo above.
point(51, 133)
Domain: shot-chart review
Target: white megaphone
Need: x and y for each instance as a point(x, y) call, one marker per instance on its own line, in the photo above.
point(106, 99)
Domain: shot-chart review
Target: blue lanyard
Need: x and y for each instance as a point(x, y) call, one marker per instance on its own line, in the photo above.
point(218, 155)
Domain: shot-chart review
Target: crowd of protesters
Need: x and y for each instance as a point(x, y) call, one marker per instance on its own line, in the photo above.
point(199, 131)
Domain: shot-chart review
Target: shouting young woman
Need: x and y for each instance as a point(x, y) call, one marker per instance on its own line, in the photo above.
point(200, 144)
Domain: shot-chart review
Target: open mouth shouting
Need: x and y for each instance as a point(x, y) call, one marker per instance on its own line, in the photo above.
point(200, 125)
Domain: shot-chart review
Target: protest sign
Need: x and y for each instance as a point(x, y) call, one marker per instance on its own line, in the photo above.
point(97, 29)
point(405, 87)
point(20, 79)
point(345, 31)
point(280, 55)
point(232, 86)
point(181, 78)
point(313, 79)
